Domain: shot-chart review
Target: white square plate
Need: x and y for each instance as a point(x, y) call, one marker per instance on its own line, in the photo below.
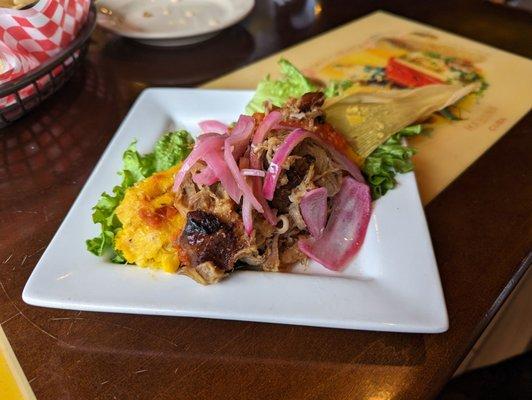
point(391, 285)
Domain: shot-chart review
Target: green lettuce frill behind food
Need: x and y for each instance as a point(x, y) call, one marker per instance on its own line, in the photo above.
point(387, 160)
point(291, 84)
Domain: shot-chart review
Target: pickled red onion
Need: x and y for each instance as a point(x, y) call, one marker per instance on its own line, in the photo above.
point(213, 126)
point(234, 147)
point(247, 211)
point(265, 126)
point(313, 208)
point(283, 151)
point(240, 135)
point(346, 228)
point(200, 150)
point(216, 162)
point(205, 177)
point(239, 178)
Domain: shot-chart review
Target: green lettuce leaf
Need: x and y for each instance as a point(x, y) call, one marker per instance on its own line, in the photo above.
point(389, 159)
point(292, 83)
point(170, 149)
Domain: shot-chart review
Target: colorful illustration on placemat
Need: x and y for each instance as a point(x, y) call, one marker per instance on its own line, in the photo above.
point(407, 61)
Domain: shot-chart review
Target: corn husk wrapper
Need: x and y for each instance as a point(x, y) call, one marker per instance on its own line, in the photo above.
point(369, 119)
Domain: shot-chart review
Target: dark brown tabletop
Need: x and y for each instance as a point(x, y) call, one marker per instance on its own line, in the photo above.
point(481, 228)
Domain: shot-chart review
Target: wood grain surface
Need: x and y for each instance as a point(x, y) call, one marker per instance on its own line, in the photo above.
point(481, 227)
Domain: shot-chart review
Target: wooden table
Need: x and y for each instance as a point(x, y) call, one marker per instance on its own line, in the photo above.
point(480, 226)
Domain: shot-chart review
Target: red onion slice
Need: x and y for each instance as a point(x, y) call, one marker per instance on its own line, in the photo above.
point(265, 126)
point(247, 210)
point(217, 163)
point(240, 135)
point(345, 230)
point(269, 214)
point(205, 177)
point(239, 179)
point(280, 156)
point(201, 149)
point(205, 136)
point(247, 216)
point(313, 208)
point(343, 160)
point(213, 126)
point(284, 150)
point(234, 147)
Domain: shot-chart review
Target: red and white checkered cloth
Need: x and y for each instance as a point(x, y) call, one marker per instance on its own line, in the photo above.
point(30, 37)
point(44, 29)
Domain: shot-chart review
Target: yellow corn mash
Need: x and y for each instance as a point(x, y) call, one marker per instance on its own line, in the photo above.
point(150, 223)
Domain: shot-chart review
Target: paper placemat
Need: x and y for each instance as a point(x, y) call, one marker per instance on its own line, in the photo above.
point(452, 146)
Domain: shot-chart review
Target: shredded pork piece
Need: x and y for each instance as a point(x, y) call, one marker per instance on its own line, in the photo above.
point(306, 110)
point(291, 255)
point(205, 273)
point(271, 261)
point(263, 230)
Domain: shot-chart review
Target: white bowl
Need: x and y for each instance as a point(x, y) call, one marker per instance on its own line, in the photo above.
point(171, 22)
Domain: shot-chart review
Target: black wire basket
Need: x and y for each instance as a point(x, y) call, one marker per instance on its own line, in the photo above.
point(28, 91)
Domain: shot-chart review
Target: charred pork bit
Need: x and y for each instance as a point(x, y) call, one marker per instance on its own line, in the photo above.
point(310, 100)
point(306, 111)
point(207, 239)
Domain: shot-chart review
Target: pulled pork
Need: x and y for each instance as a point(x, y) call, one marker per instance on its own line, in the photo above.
point(213, 242)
